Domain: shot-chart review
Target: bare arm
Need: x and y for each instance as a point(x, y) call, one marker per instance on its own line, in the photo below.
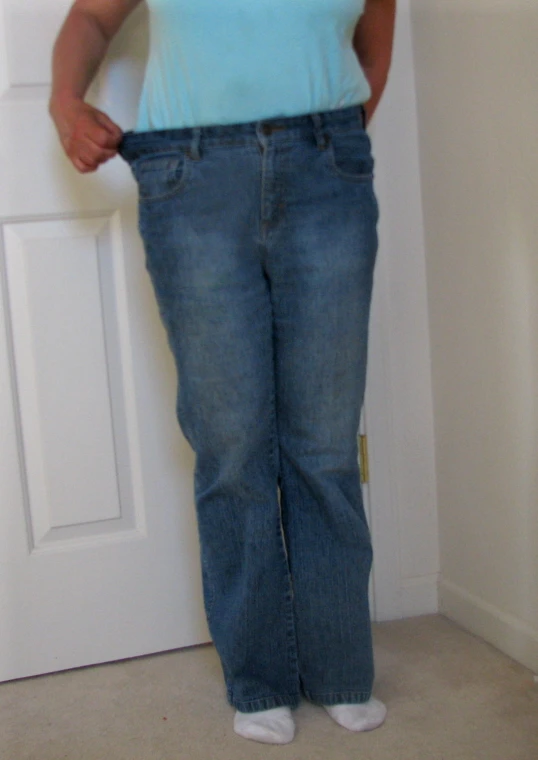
point(87, 135)
point(373, 42)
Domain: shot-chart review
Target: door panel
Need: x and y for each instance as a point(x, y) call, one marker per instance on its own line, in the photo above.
point(98, 540)
point(74, 436)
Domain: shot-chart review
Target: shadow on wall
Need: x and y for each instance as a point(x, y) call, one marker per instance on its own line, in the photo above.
point(476, 63)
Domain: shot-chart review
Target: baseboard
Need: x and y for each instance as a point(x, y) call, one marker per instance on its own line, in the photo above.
point(419, 595)
point(506, 632)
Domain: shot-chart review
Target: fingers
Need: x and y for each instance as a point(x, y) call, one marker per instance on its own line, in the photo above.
point(86, 155)
point(89, 157)
point(82, 167)
point(91, 153)
point(103, 135)
point(115, 133)
point(92, 138)
point(92, 145)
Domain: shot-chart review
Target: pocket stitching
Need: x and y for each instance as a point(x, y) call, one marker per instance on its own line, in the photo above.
point(338, 172)
point(181, 168)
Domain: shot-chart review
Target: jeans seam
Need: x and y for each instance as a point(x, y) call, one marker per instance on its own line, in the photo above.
point(265, 703)
point(293, 654)
point(339, 697)
point(270, 696)
point(183, 174)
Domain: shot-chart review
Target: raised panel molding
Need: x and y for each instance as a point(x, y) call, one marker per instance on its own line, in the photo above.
point(66, 313)
point(29, 30)
point(25, 93)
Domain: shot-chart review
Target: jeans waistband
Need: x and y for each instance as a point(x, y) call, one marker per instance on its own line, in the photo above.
point(135, 144)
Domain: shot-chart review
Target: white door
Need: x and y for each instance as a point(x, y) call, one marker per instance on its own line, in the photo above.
point(98, 541)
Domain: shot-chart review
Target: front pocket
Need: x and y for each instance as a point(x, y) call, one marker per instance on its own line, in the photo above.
point(350, 155)
point(160, 175)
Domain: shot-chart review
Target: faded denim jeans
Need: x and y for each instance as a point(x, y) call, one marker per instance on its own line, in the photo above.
point(261, 241)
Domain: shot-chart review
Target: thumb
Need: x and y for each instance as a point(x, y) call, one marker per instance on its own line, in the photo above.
point(109, 125)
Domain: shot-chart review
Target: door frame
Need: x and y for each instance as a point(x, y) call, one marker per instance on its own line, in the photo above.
point(399, 405)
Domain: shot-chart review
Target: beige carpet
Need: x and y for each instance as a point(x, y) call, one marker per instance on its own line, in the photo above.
point(450, 696)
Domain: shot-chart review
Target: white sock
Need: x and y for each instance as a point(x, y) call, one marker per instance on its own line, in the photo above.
point(361, 717)
point(273, 726)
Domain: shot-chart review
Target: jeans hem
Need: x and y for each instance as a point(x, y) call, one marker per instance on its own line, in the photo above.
point(339, 698)
point(265, 703)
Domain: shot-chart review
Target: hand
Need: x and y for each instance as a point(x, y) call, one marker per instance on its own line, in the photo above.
point(88, 136)
point(368, 113)
point(377, 86)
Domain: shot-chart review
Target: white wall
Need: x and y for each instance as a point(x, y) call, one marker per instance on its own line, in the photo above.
point(476, 71)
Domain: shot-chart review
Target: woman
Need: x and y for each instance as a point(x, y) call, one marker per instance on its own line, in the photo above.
point(258, 217)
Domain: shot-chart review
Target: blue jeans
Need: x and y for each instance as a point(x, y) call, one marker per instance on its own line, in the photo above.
point(260, 241)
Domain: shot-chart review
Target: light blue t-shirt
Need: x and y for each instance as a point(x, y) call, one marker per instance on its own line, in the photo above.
point(230, 61)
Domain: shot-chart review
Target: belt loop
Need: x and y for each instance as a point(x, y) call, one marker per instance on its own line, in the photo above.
point(194, 149)
point(322, 138)
point(262, 138)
